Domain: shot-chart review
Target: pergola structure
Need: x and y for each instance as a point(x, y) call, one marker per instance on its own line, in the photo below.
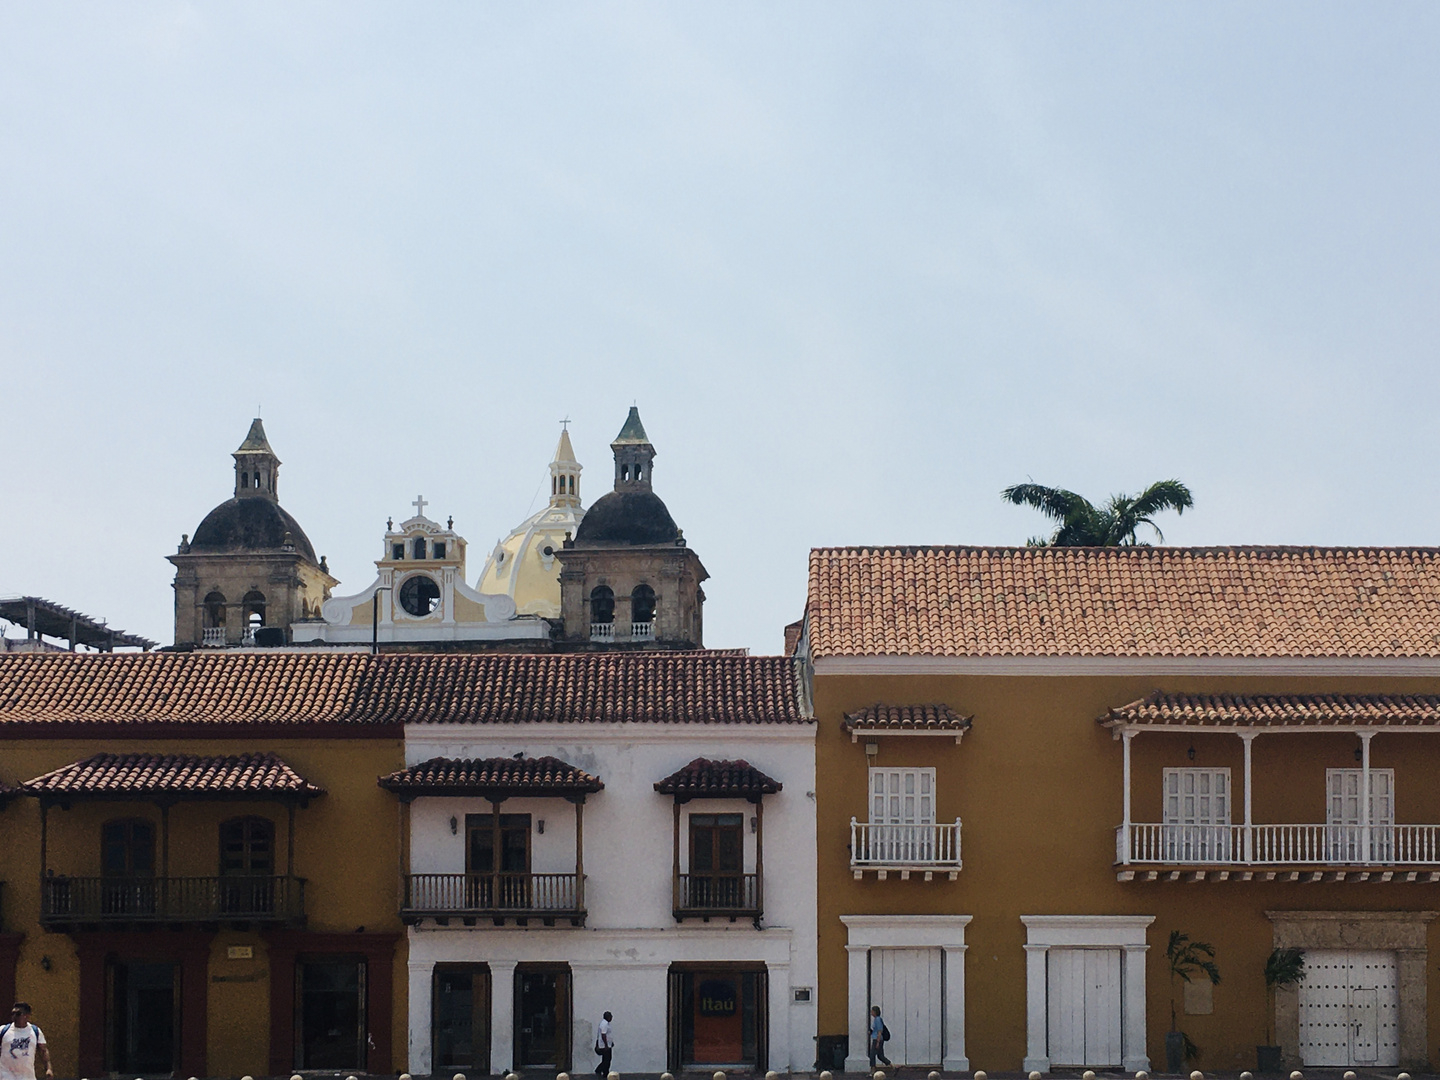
point(46, 618)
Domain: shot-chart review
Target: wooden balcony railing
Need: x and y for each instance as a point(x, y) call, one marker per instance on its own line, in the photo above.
point(498, 896)
point(722, 895)
point(905, 848)
point(65, 900)
point(1278, 845)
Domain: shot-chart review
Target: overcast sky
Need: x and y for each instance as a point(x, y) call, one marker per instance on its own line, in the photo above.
point(861, 266)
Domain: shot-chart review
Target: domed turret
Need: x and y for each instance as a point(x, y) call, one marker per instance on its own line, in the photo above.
point(249, 565)
point(523, 566)
point(629, 579)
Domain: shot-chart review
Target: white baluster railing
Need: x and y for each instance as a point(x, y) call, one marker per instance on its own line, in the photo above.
point(905, 846)
point(1279, 845)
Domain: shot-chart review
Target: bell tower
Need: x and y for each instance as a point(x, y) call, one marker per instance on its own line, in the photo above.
point(257, 468)
point(634, 455)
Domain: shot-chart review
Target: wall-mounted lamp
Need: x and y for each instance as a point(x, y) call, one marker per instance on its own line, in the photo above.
point(454, 826)
point(1190, 753)
point(754, 824)
point(1359, 754)
point(540, 826)
point(44, 963)
point(871, 750)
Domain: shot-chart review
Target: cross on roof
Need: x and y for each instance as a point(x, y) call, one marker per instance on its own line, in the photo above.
point(565, 424)
point(420, 505)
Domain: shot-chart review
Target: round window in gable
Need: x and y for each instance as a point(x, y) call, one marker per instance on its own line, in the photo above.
point(419, 595)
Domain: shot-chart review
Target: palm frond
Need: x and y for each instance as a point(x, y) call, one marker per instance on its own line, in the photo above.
point(1055, 503)
point(1164, 495)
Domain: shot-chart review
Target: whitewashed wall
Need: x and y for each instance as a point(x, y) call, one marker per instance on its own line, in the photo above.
point(620, 957)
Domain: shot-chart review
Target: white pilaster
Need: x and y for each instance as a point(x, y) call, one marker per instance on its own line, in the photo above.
point(780, 997)
point(858, 1057)
point(1037, 1054)
point(954, 1049)
point(502, 1015)
point(421, 1041)
point(1133, 1022)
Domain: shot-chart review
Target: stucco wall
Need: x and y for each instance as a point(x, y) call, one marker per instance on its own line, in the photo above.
point(346, 847)
point(1037, 783)
point(619, 959)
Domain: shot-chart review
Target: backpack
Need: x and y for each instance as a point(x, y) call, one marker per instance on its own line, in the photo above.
point(884, 1033)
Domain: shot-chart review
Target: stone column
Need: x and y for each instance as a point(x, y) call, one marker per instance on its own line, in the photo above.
point(502, 1016)
point(1133, 1023)
point(421, 1039)
point(954, 1059)
point(858, 1058)
point(1037, 1050)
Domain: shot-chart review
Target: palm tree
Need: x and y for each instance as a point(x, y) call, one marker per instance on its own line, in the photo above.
point(1080, 523)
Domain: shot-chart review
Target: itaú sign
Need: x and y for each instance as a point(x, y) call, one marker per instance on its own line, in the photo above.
point(717, 997)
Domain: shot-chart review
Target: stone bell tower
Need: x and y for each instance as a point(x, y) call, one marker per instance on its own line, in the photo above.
point(629, 581)
point(250, 567)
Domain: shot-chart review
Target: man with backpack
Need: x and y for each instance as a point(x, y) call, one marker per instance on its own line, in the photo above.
point(22, 1047)
point(878, 1034)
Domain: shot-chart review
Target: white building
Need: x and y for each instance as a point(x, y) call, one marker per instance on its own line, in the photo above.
point(654, 820)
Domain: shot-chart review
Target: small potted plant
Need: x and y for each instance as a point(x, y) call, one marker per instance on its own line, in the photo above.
point(1187, 959)
point(1285, 967)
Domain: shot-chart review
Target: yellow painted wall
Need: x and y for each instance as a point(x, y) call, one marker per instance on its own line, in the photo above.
point(1038, 784)
point(346, 847)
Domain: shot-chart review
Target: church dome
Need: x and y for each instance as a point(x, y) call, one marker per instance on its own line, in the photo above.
point(249, 525)
point(523, 566)
point(628, 517)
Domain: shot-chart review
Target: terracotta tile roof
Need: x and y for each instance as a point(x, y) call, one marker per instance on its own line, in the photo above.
point(940, 718)
point(1160, 601)
point(501, 688)
point(182, 775)
point(1163, 710)
point(487, 776)
point(200, 689)
point(792, 636)
point(704, 778)
point(359, 694)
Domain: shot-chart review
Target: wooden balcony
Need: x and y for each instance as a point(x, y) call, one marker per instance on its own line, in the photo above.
point(717, 896)
point(1146, 851)
point(546, 898)
point(67, 902)
point(905, 850)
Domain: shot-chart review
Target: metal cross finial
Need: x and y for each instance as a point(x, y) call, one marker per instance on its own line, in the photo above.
point(419, 505)
point(565, 424)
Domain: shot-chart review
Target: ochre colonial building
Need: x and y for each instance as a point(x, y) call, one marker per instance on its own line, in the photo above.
point(1035, 764)
point(183, 885)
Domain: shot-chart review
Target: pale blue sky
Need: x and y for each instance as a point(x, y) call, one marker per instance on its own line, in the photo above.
point(861, 266)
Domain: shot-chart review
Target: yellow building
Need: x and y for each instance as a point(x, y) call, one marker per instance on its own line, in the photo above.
point(199, 867)
point(1129, 743)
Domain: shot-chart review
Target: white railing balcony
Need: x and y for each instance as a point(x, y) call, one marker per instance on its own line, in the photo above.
point(212, 637)
point(602, 631)
point(249, 638)
point(642, 631)
point(1278, 845)
point(905, 849)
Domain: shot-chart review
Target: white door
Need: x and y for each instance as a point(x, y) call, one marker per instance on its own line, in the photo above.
point(908, 986)
point(902, 815)
point(1349, 1009)
point(1197, 815)
point(1083, 996)
point(1342, 815)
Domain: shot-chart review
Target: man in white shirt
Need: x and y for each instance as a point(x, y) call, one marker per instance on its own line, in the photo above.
point(22, 1047)
point(604, 1046)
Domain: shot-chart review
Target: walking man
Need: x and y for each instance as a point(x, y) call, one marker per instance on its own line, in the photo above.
point(22, 1047)
point(604, 1046)
point(878, 1034)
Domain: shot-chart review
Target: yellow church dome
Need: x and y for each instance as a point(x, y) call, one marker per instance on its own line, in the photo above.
point(524, 565)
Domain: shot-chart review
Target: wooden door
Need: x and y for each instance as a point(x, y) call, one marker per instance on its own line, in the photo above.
point(908, 986)
point(1349, 1009)
point(1083, 996)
